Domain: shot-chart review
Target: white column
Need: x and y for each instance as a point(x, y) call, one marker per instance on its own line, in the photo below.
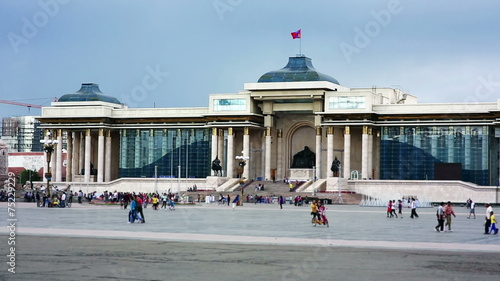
point(220, 146)
point(214, 144)
point(59, 156)
point(267, 172)
point(370, 154)
point(318, 153)
point(347, 152)
point(75, 170)
point(81, 160)
point(88, 143)
point(364, 153)
point(329, 153)
point(230, 153)
point(107, 158)
point(279, 156)
point(246, 152)
point(100, 156)
point(46, 165)
point(69, 157)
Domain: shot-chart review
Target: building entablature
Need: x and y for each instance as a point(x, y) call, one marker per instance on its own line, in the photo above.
point(283, 86)
point(436, 108)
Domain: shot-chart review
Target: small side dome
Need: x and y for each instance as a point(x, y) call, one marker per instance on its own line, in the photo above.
point(88, 92)
point(298, 69)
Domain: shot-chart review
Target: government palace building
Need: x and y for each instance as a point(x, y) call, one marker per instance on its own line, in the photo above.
point(294, 123)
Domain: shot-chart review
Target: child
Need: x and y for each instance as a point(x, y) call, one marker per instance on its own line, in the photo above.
point(322, 212)
point(493, 223)
point(400, 208)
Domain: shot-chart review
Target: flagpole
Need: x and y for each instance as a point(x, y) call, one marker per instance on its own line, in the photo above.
point(300, 45)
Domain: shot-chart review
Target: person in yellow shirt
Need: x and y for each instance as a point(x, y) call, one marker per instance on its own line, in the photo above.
point(314, 210)
point(493, 223)
point(155, 202)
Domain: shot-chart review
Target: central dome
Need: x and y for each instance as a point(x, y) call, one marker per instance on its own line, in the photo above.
point(298, 69)
point(88, 92)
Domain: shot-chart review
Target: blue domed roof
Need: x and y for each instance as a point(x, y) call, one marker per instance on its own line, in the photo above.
point(298, 69)
point(88, 92)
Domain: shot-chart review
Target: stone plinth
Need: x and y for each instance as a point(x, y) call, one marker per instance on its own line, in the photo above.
point(214, 182)
point(301, 174)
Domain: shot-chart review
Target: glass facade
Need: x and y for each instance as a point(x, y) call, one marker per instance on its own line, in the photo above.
point(143, 149)
point(346, 102)
point(410, 153)
point(230, 104)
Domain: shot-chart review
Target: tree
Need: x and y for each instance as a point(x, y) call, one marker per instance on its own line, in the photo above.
point(29, 176)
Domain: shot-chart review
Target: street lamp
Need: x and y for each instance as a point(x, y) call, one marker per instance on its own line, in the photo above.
point(48, 146)
point(242, 163)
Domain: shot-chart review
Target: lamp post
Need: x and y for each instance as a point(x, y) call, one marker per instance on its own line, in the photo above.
point(48, 146)
point(242, 163)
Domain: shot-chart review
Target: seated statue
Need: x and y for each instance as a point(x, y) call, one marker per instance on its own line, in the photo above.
point(304, 159)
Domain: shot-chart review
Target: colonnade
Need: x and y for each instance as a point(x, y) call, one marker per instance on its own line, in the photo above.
point(80, 155)
point(322, 167)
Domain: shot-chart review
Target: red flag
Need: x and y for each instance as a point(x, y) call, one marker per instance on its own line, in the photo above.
point(296, 34)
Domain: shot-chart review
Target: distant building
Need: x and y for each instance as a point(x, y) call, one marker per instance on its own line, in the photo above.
point(4, 161)
point(292, 124)
point(22, 133)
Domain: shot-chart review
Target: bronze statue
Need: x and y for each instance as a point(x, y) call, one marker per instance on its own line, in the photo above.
point(304, 159)
point(216, 167)
point(335, 167)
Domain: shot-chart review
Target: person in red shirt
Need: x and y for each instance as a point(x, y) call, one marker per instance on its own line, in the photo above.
point(448, 212)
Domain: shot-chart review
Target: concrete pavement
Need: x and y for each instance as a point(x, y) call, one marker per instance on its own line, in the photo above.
point(201, 242)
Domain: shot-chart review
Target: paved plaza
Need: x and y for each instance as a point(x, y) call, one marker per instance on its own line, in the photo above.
point(252, 242)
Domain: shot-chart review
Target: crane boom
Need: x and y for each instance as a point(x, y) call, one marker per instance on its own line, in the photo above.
point(20, 103)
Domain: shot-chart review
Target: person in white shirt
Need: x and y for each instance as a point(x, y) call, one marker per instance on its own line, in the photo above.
point(63, 200)
point(487, 225)
point(472, 206)
point(413, 208)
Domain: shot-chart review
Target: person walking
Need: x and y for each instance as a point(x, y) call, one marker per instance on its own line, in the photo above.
point(80, 196)
point(400, 208)
point(139, 207)
point(440, 218)
point(487, 224)
point(448, 212)
point(413, 208)
point(281, 200)
point(472, 209)
point(389, 209)
point(493, 223)
point(393, 209)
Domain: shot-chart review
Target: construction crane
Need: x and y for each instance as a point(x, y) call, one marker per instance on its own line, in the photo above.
point(29, 106)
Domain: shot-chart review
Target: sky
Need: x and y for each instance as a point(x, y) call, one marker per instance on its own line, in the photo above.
point(172, 53)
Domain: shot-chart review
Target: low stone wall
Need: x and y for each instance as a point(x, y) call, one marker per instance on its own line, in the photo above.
point(146, 185)
point(432, 191)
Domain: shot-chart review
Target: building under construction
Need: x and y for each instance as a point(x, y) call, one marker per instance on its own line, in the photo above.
point(22, 133)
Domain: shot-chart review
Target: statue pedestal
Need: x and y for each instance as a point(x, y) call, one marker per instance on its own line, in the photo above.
point(303, 174)
point(333, 184)
point(214, 182)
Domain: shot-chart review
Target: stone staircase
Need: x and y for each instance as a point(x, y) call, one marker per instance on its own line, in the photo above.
point(281, 188)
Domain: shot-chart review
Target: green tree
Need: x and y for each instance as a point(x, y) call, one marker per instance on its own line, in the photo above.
point(28, 175)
